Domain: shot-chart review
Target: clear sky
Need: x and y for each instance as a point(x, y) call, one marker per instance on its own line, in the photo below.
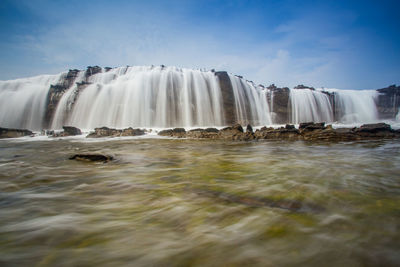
point(341, 44)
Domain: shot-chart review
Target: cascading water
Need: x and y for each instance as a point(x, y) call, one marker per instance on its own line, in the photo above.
point(23, 101)
point(251, 103)
point(355, 106)
point(310, 105)
point(158, 97)
point(143, 97)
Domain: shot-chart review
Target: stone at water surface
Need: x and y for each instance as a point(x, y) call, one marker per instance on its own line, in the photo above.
point(311, 126)
point(210, 133)
point(375, 127)
point(176, 132)
point(14, 133)
point(110, 132)
point(91, 157)
point(68, 131)
point(308, 131)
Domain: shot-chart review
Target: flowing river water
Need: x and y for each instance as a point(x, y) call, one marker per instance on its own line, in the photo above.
point(170, 202)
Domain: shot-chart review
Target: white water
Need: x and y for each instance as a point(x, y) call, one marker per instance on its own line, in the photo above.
point(356, 106)
point(144, 97)
point(250, 103)
point(23, 101)
point(309, 105)
point(159, 97)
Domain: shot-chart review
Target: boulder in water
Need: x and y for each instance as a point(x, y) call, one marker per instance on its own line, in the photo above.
point(249, 129)
point(235, 132)
point(210, 133)
point(132, 132)
point(14, 133)
point(283, 133)
point(91, 157)
point(375, 127)
point(68, 131)
point(311, 126)
point(110, 132)
point(176, 132)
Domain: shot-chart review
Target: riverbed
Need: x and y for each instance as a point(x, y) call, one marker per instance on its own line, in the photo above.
point(177, 202)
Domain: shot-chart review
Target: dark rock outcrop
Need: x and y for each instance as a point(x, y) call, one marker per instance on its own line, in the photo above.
point(301, 86)
point(234, 132)
point(68, 131)
point(249, 128)
point(308, 131)
point(110, 132)
point(210, 133)
point(279, 98)
point(72, 130)
point(55, 93)
point(285, 133)
point(388, 102)
point(14, 133)
point(311, 126)
point(176, 132)
point(91, 157)
point(228, 100)
point(92, 70)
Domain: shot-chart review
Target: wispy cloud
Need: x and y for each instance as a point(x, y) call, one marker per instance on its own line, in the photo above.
point(310, 45)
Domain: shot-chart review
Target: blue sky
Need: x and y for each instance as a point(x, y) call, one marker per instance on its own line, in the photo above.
point(341, 44)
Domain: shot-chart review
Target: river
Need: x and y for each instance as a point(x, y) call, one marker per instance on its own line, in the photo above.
point(177, 202)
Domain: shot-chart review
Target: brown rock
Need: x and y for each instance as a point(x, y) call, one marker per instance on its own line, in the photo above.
point(110, 132)
point(176, 132)
point(91, 157)
point(14, 133)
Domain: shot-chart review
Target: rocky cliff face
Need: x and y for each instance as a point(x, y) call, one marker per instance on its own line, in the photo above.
point(227, 96)
point(56, 91)
point(279, 98)
point(388, 101)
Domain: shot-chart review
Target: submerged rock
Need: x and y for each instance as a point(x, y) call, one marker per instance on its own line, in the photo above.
point(14, 133)
point(259, 202)
point(91, 157)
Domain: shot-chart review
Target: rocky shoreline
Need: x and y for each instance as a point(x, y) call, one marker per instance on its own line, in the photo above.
point(308, 131)
point(14, 133)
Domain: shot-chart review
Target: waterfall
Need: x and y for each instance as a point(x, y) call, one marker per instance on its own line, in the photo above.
point(144, 97)
point(251, 103)
point(310, 105)
point(159, 97)
point(355, 106)
point(23, 101)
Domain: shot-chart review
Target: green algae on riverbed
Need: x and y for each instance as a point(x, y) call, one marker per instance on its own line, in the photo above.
point(198, 202)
